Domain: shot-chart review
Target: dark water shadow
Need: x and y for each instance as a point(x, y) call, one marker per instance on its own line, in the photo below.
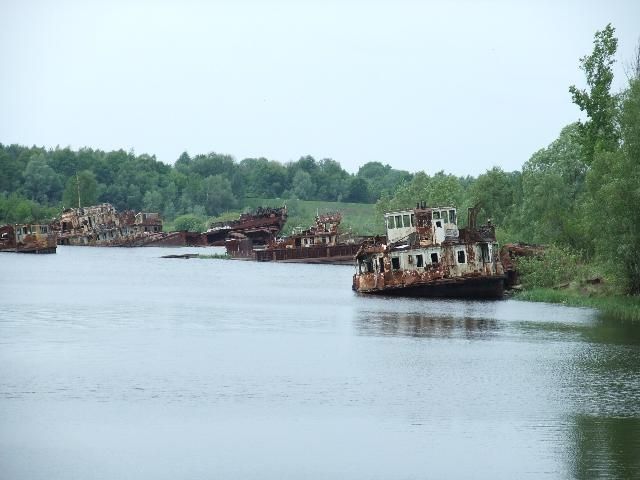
point(423, 325)
point(605, 447)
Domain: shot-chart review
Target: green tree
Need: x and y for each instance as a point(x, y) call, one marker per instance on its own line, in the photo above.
point(553, 182)
point(599, 132)
point(41, 182)
point(189, 222)
point(614, 181)
point(81, 188)
point(218, 195)
point(302, 185)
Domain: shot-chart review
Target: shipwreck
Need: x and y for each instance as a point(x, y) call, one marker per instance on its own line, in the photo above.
point(320, 243)
point(259, 227)
point(425, 254)
point(103, 226)
point(27, 238)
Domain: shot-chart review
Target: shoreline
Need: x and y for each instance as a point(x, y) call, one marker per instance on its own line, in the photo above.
point(618, 307)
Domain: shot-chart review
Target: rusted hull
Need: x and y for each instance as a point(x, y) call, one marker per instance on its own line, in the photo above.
point(27, 238)
point(315, 254)
point(477, 287)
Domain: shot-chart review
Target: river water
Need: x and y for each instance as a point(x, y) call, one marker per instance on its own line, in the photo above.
point(117, 364)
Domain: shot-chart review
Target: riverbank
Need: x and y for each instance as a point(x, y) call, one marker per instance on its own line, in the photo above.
point(621, 307)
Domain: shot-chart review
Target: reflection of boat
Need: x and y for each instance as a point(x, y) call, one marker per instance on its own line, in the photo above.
point(427, 255)
point(318, 244)
point(102, 225)
point(27, 238)
point(260, 227)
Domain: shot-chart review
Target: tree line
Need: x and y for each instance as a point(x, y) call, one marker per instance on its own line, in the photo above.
point(36, 182)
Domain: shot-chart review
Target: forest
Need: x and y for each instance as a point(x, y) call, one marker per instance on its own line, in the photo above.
point(580, 194)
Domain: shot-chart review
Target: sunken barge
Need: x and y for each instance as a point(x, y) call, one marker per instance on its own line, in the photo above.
point(318, 244)
point(425, 254)
point(27, 238)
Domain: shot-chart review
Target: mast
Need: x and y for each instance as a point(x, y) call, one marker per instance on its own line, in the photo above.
point(78, 185)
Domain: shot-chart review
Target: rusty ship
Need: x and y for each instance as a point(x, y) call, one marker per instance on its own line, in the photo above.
point(320, 243)
point(259, 227)
point(103, 226)
point(27, 238)
point(425, 254)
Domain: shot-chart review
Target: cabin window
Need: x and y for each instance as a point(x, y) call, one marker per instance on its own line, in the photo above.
point(413, 220)
point(410, 259)
point(445, 216)
point(436, 215)
point(25, 230)
point(370, 266)
point(398, 221)
point(439, 224)
point(43, 229)
point(484, 252)
point(395, 263)
point(461, 256)
point(405, 220)
point(381, 261)
point(434, 258)
point(390, 223)
point(419, 261)
point(452, 216)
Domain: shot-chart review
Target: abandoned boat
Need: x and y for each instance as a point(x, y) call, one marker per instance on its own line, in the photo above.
point(260, 226)
point(27, 238)
point(320, 243)
point(103, 226)
point(426, 254)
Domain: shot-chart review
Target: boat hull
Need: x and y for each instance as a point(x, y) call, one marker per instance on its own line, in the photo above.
point(487, 287)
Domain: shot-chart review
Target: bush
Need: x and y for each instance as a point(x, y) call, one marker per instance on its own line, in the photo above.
point(189, 222)
point(556, 266)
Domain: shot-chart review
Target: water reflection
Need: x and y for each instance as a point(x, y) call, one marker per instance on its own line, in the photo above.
point(423, 325)
point(605, 434)
point(606, 447)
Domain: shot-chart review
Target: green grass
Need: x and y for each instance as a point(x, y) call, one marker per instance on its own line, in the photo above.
point(357, 218)
point(620, 307)
point(215, 256)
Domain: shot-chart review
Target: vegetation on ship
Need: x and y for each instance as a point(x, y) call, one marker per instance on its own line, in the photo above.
point(579, 195)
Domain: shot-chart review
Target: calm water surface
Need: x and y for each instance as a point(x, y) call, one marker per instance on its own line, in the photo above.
point(116, 364)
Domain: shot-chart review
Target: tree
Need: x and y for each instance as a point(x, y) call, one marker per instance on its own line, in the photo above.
point(614, 181)
point(302, 185)
point(218, 195)
point(41, 182)
point(599, 132)
point(189, 223)
point(81, 190)
point(553, 181)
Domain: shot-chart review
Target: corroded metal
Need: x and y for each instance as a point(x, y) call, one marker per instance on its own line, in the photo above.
point(261, 226)
point(27, 238)
point(426, 254)
point(102, 225)
point(320, 243)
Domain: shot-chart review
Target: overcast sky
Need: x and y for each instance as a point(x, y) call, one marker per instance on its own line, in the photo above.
point(460, 86)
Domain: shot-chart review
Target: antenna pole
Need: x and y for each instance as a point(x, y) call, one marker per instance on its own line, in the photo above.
point(78, 185)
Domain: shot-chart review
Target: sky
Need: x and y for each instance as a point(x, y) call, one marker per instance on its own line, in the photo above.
point(459, 86)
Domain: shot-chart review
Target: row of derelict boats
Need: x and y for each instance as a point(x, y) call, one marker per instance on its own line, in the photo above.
point(424, 252)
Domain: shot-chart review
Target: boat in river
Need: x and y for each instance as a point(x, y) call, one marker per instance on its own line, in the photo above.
point(320, 243)
point(103, 226)
point(27, 238)
point(259, 227)
point(425, 254)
